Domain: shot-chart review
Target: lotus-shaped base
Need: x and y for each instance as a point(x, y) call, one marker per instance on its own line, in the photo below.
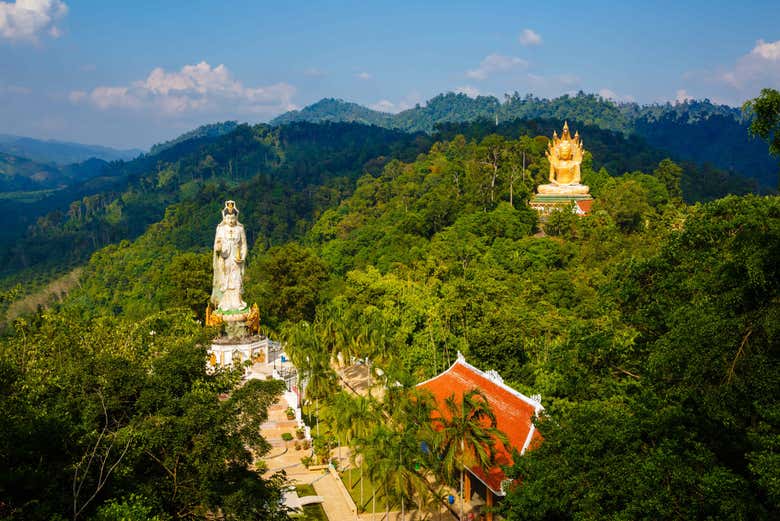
point(554, 189)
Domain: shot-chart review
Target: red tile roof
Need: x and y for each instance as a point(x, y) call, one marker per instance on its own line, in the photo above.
point(514, 412)
point(585, 205)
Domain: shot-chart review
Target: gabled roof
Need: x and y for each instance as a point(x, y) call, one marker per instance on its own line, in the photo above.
point(583, 206)
point(513, 410)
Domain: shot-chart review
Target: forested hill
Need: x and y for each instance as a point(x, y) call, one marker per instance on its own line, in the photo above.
point(336, 110)
point(123, 198)
point(18, 173)
point(648, 327)
point(60, 152)
point(298, 167)
point(698, 131)
point(212, 130)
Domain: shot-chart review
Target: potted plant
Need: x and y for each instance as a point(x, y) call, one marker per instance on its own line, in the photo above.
point(299, 433)
point(290, 413)
point(286, 436)
point(306, 444)
point(297, 445)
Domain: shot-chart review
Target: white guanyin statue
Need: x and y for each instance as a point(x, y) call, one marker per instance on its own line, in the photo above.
point(230, 251)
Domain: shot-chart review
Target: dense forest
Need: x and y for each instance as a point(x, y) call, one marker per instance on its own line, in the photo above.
point(649, 326)
point(697, 131)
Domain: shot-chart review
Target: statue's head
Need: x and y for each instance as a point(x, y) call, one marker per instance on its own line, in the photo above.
point(564, 150)
point(230, 213)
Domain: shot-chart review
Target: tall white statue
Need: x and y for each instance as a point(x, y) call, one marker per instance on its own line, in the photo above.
point(230, 251)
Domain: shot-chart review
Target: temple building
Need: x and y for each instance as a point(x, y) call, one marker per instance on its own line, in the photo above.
point(514, 417)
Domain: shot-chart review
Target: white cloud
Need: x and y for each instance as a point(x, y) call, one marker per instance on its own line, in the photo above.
point(496, 63)
point(554, 85)
point(610, 94)
point(24, 20)
point(682, 96)
point(76, 96)
point(743, 79)
point(530, 37)
point(468, 90)
point(193, 88)
point(759, 68)
point(363, 76)
point(110, 97)
point(384, 105)
point(767, 50)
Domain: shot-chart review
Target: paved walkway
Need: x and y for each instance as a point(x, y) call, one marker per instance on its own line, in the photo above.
point(283, 456)
point(335, 505)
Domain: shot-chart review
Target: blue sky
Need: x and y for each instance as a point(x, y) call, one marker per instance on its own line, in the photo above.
point(139, 73)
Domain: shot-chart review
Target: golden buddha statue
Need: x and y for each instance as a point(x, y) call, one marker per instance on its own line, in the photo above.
point(565, 157)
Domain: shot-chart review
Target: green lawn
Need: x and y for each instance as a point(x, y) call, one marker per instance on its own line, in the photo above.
point(310, 512)
point(367, 490)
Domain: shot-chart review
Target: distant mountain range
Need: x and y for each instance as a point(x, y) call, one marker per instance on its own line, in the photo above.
point(698, 131)
point(60, 152)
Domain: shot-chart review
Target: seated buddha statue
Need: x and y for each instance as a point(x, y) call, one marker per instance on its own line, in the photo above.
point(565, 157)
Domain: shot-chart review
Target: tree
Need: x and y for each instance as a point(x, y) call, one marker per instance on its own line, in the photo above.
point(655, 189)
point(124, 410)
point(286, 281)
point(626, 202)
point(466, 435)
point(766, 118)
point(670, 174)
point(393, 463)
point(362, 416)
point(674, 417)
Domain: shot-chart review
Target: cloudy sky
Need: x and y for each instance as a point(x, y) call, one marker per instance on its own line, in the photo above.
point(135, 74)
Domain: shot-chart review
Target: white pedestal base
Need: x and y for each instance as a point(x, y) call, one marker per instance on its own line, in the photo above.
point(235, 353)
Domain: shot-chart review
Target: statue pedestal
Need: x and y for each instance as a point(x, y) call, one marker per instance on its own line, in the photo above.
point(238, 323)
point(232, 352)
point(545, 204)
point(574, 189)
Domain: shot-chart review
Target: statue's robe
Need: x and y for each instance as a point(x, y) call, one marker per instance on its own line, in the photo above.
point(229, 245)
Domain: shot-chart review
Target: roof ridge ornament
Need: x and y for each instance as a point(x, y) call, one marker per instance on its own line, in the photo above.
point(493, 375)
point(461, 358)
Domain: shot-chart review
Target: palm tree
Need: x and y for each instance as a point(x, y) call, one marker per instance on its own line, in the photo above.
point(466, 435)
point(379, 457)
point(332, 329)
point(322, 381)
point(312, 361)
point(393, 451)
point(394, 464)
point(356, 418)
